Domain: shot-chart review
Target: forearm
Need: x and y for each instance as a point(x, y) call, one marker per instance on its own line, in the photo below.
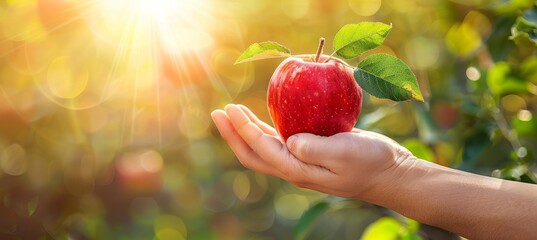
point(473, 206)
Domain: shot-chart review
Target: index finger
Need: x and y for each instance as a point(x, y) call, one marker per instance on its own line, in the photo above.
point(268, 147)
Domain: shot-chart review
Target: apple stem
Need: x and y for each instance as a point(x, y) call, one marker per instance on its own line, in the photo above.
point(319, 49)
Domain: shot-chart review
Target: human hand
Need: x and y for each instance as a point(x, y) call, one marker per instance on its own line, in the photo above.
point(351, 164)
point(369, 166)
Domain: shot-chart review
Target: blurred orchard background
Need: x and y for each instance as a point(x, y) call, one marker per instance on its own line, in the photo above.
point(105, 130)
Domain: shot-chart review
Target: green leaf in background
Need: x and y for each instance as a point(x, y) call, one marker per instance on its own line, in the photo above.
point(508, 7)
point(474, 146)
point(419, 149)
point(502, 80)
point(304, 223)
point(525, 126)
point(385, 228)
point(524, 32)
point(530, 15)
point(528, 69)
point(263, 50)
point(519, 173)
point(354, 39)
point(385, 76)
point(412, 225)
point(463, 39)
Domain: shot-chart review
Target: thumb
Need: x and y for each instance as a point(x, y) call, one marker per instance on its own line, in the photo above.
point(316, 150)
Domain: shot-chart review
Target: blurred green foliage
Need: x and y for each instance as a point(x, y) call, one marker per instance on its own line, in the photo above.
point(105, 130)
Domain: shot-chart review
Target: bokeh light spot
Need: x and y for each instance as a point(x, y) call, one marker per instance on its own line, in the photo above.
point(13, 160)
point(422, 52)
point(291, 206)
point(473, 74)
point(169, 234)
point(512, 103)
point(170, 227)
point(479, 21)
point(296, 9)
point(151, 161)
point(463, 39)
point(522, 152)
point(365, 7)
point(525, 115)
point(140, 171)
point(63, 82)
point(241, 186)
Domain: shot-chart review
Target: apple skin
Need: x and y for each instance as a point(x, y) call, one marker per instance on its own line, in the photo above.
point(313, 97)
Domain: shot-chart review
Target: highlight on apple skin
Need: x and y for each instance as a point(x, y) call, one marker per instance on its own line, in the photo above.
point(308, 96)
point(320, 94)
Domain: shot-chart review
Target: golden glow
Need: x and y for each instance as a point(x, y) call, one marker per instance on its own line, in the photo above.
point(27, 27)
point(178, 25)
point(156, 42)
point(365, 7)
point(63, 82)
point(13, 160)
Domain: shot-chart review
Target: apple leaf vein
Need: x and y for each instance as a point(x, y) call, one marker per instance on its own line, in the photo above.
point(354, 39)
point(385, 76)
point(382, 75)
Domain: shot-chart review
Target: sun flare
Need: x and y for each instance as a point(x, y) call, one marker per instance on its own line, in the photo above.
point(153, 60)
point(175, 25)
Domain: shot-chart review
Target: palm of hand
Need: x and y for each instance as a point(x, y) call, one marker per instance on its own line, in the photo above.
point(346, 164)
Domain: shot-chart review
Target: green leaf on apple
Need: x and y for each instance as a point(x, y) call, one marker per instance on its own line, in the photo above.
point(263, 50)
point(354, 39)
point(385, 76)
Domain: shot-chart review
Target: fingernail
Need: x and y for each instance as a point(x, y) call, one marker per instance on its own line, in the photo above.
point(226, 108)
point(213, 113)
point(215, 118)
point(231, 106)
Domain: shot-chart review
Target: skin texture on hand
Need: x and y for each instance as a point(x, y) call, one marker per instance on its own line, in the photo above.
point(368, 166)
point(346, 164)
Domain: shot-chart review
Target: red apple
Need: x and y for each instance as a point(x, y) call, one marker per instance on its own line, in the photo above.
point(308, 96)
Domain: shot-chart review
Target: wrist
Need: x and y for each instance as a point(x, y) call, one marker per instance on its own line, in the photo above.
point(470, 205)
point(391, 180)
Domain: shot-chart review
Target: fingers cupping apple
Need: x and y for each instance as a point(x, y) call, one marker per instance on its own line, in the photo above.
point(346, 164)
point(263, 152)
point(314, 101)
